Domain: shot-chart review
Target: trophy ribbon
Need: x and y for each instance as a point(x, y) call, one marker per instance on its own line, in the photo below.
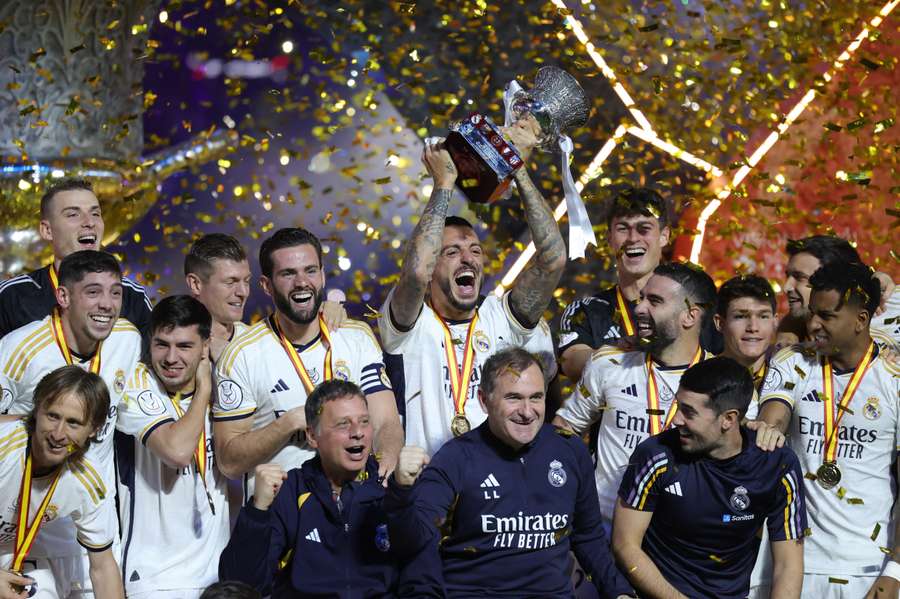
point(295, 359)
point(460, 376)
point(581, 231)
point(26, 533)
point(653, 410)
point(199, 451)
point(60, 336)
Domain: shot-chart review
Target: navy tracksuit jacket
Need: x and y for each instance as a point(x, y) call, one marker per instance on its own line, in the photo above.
point(484, 520)
point(327, 552)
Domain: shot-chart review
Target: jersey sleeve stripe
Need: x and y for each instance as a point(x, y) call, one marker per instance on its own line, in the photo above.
point(16, 281)
point(153, 426)
point(93, 548)
point(782, 398)
point(91, 476)
point(18, 433)
point(364, 327)
point(233, 349)
point(6, 451)
point(90, 488)
point(791, 513)
point(18, 370)
point(123, 324)
point(646, 477)
point(226, 416)
point(25, 345)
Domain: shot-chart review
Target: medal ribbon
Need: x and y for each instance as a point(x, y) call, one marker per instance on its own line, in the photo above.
point(623, 310)
point(59, 335)
point(26, 534)
point(831, 420)
point(295, 357)
point(459, 377)
point(199, 452)
point(54, 279)
point(653, 410)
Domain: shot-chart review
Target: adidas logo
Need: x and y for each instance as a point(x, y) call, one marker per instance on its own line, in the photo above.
point(812, 396)
point(630, 390)
point(279, 386)
point(313, 536)
point(674, 489)
point(490, 482)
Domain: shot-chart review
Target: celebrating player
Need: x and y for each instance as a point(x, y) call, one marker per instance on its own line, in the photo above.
point(694, 497)
point(265, 375)
point(43, 466)
point(436, 328)
point(70, 221)
point(178, 506)
point(839, 404)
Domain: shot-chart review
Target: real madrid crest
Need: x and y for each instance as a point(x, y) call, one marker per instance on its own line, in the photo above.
point(481, 342)
point(556, 475)
point(341, 371)
point(872, 411)
point(740, 499)
point(119, 382)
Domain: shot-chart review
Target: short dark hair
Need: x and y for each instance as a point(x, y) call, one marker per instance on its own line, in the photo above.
point(854, 281)
point(727, 384)
point(72, 379)
point(230, 589)
point(457, 221)
point(513, 358)
point(698, 286)
point(286, 238)
point(213, 246)
point(76, 265)
point(61, 186)
point(638, 201)
point(825, 248)
point(744, 286)
point(180, 311)
point(325, 392)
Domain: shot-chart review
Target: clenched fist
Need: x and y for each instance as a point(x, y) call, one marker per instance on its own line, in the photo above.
point(410, 465)
point(268, 481)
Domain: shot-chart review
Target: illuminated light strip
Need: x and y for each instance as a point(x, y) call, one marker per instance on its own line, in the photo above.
point(766, 145)
point(652, 138)
point(577, 29)
point(592, 172)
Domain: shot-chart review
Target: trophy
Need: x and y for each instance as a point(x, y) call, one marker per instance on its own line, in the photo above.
point(486, 161)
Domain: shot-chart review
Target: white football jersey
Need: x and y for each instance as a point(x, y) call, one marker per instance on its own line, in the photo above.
point(80, 497)
point(256, 378)
point(855, 516)
point(885, 327)
point(613, 388)
point(27, 355)
point(416, 359)
point(172, 530)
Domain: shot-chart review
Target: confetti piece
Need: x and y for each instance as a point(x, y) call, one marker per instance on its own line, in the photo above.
point(834, 580)
point(875, 532)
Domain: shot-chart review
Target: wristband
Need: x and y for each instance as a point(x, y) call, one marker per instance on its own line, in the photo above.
point(891, 570)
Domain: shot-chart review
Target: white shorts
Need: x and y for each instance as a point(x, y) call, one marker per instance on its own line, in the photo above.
point(818, 586)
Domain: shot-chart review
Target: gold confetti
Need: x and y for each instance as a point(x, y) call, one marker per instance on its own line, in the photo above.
point(875, 532)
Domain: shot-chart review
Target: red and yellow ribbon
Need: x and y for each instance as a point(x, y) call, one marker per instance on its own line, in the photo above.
point(459, 377)
point(54, 279)
point(622, 306)
point(199, 452)
point(60, 336)
point(653, 410)
point(25, 533)
point(831, 420)
point(295, 357)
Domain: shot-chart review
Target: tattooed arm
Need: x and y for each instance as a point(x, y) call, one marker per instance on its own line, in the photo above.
point(533, 289)
point(423, 247)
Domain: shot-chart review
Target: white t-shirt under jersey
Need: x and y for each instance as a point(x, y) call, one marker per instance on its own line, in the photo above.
point(416, 359)
point(851, 522)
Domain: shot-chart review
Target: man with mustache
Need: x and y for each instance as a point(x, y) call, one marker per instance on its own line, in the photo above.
point(436, 327)
point(838, 401)
point(178, 504)
point(84, 330)
point(70, 221)
point(635, 390)
point(265, 375)
point(497, 510)
point(42, 457)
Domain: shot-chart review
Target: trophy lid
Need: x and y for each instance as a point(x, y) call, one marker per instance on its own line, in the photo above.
point(556, 100)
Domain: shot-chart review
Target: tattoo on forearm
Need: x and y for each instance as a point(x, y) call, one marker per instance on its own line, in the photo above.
point(422, 251)
point(534, 288)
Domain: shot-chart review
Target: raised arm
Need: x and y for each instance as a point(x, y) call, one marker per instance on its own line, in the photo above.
point(533, 289)
point(174, 442)
point(423, 247)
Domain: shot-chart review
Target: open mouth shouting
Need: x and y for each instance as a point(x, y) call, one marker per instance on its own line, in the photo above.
point(465, 279)
point(632, 255)
point(357, 452)
point(645, 328)
point(303, 298)
point(101, 320)
point(87, 241)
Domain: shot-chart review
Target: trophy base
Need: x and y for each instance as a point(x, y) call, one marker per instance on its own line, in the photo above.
point(485, 161)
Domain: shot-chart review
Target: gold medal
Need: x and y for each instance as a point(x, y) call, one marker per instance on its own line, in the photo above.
point(460, 425)
point(828, 475)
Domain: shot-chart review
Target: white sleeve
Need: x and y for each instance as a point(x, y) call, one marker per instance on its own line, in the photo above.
point(392, 337)
point(142, 411)
point(234, 398)
point(583, 407)
point(96, 524)
point(780, 382)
